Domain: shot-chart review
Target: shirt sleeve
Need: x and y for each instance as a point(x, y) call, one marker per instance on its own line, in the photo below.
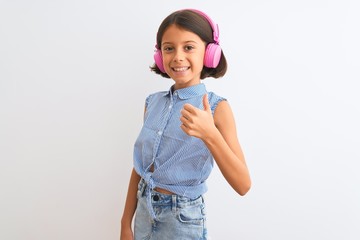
point(147, 101)
point(214, 100)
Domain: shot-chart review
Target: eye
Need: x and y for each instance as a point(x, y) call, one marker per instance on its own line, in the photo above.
point(189, 47)
point(167, 49)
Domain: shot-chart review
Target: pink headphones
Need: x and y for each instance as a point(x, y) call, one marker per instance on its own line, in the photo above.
point(213, 50)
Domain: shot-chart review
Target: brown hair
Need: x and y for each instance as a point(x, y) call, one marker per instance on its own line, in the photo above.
point(193, 22)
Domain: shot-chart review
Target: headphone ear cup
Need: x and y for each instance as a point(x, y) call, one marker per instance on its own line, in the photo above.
point(158, 60)
point(212, 55)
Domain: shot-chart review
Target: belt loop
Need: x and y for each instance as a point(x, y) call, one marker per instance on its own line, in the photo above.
point(174, 204)
point(139, 191)
point(142, 187)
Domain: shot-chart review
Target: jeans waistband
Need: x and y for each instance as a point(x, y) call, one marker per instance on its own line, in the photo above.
point(157, 198)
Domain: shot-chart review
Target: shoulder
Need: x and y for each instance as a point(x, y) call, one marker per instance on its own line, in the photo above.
point(213, 96)
point(223, 116)
point(160, 93)
point(214, 100)
point(155, 95)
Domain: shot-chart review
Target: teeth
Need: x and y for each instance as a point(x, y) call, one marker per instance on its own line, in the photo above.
point(180, 69)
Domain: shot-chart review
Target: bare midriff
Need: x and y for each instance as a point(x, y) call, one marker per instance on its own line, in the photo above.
point(164, 191)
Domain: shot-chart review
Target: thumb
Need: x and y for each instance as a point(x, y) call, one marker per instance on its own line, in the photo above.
point(206, 103)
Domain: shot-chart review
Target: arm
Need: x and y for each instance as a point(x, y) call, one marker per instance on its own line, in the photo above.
point(220, 136)
point(130, 207)
point(225, 147)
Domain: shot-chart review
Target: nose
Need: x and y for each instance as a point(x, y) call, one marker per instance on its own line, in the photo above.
point(179, 55)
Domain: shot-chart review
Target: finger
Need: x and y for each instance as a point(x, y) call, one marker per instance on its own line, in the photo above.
point(187, 115)
point(206, 103)
point(189, 107)
point(185, 129)
point(184, 120)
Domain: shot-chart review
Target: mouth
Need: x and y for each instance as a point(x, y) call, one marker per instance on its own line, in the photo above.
point(180, 69)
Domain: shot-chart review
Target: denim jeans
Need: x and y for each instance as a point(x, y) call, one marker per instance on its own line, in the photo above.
point(176, 217)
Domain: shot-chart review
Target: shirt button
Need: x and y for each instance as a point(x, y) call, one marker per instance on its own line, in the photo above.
point(159, 132)
point(170, 106)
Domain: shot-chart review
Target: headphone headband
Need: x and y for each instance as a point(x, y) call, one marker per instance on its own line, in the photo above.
point(213, 25)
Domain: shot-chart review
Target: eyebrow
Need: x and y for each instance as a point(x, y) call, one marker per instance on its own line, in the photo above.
point(190, 41)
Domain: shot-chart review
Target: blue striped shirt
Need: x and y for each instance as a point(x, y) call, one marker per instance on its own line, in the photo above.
point(182, 163)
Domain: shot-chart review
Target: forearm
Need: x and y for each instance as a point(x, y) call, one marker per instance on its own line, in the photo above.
point(218, 132)
point(131, 200)
point(230, 162)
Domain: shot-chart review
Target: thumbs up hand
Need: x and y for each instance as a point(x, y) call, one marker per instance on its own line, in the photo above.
point(197, 122)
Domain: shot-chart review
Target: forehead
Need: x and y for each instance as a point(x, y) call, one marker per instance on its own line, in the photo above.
point(175, 34)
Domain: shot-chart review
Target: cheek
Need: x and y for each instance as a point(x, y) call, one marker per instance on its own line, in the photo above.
point(200, 60)
point(166, 62)
point(166, 59)
point(201, 57)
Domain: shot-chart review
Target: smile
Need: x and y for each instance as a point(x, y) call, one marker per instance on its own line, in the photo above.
point(180, 69)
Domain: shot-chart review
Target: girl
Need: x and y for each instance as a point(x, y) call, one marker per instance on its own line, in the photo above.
point(185, 129)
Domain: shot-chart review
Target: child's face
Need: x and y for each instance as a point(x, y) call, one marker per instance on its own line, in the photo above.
point(183, 56)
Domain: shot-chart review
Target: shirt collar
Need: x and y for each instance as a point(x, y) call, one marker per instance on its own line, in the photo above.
point(189, 92)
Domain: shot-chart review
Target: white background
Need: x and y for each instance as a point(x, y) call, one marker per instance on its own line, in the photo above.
point(73, 79)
